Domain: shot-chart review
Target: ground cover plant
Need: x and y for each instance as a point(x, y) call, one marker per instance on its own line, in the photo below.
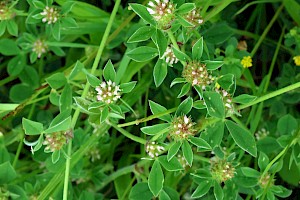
point(150, 99)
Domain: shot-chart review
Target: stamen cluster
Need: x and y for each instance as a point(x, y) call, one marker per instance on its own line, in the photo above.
point(169, 56)
point(51, 15)
point(221, 170)
point(182, 161)
point(197, 74)
point(39, 47)
point(182, 127)
point(55, 141)
point(262, 133)
point(94, 154)
point(194, 18)
point(227, 99)
point(153, 149)
point(108, 92)
point(264, 180)
point(5, 12)
point(163, 12)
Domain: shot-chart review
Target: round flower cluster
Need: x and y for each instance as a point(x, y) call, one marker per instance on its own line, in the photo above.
point(182, 161)
point(39, 47)
point(261, 134)
point(108, 92)
point(6, 12)
point(50, 14)
point(94, 154)
point(169, 56)
point(55, 141)
point(163, 12)
point(153, 149)
point(297, 60)
point(264, 180)
point(194, 18)
point(227, 99)
point(182, 127)
point(197, 74)
point(246, 61)
point(221, 170)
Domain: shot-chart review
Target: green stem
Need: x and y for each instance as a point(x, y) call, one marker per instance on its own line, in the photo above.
point(85, 92)
point(270, 95)
point(7, 80)
point(69, 44)
point(129, 135)
point(20, 146)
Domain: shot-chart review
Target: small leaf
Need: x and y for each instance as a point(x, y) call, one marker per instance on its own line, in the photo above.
point(187, 152)
point(218, 191)
point(242, 137)
point(104, 114)
point(77, 69)
point(161, 42)
point(184, 90)
point(177, 80)
point(287, 125)
point(142, 34)
point(56, 31)
point(202, 189)
point(293, 8)
point(185, 8)
point(213, 65)
point(31, 127)
point(8, 47)
point(249, 172)
point(142, 54)
point(140, 191)
point(109, 72)
point(164, 196)
point(93, 80)
point(156, 178)
point(160, 72)
point(142, 11)
point(65, 100)
point(127, 87)
point(227, 82)
point(185, 107)
point(214, 104)
point(170, 165)
point(153, 130)
point(173, 150)
point(197, 49)
point(7, 173)
point(16, 65)
point(12, 28)
point(56, 80)
point(157, 109)
point(180, 55)
point(55, 156)
point(244, 98)
point(263, 161)
point(39, 4)
point(61, 126)
point(199, 142)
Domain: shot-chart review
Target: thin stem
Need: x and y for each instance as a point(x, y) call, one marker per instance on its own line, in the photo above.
point(20, 146)
point(270, 95)
point(69, 44)
point(7, 80)
point(85, 92)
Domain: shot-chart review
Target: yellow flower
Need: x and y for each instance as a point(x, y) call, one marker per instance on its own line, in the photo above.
point(217, 85)
point(297, 60)
point(246, 61)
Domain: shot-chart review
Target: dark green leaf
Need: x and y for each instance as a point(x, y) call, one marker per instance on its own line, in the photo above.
point(177, 80)
point(263, 161)
point(31, 127)
point(213, 65)
point(287, 125)
point(140, 191)
point(8, 47)
point(214, 104)
point(173, 150)
point(227, 81)
point(187, 152)
point(170, 165)
point(142, 34)
point(56, 80)
point(65, 101)
point(202, 189)
point(63, 125)
point(164, 196)
point(20, 92)
point(142, 54)
point(199, 142)
point(127, 87)
point(214, 134)
point(180, 55)
point(293, 8)
point(7, 173)
point(160, 72)
point(185, 8)
point(12, 28)
point(197, 49)
point(76, 70)
point(157, 109)
point(156, 178)
point(56, 31)
point(55, 156)
point(104, 114)
point(141, 11)
point(16, 65)
point(109, 72)
point(161, 42)
point(249, 172)
point(93, 80)
point(244, 98)
point(184, 90)
point(184, 107)
point(153, 130)
point(218, 191)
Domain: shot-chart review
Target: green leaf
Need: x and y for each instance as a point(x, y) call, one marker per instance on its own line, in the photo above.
point(127, 87)
point(157, 109)
point(56, 80)
point(109, 72)
point(249, 172)
point(161, 42)
point(218, 191)
point(63, 125)
point(30, 76)
point(244, 98)
point(164, 196)
point(214, 134)
point(187, 152)
point(142, 34)
point(56, 31)
point(185, 8)
point(242, 137)
point(199, 142)
point(197, 49)
point(7, 173)
point(38, 4)
point(214, 104)
point(12, 28)
point(227, 81)
point(184, 90)
point(217, 33)
point(20, 92)
point(185, 23)
point(287, 125)
point(65, 101)
point(55, 156)
point(31, 127)
point(180, 55)
point(185, 107)
point(2, 27)
point(57, 51)
point(104, 114)
point(153, 130)
point(213, 65)
point(160, 72)
point(202, 189)
point(263, 161)
point(8, 47)
point(293, 8)
point(93, 80)
point(142, 54)
point(156, 178)
point(142, 11)
point(281, 191)
point(140, 191)
point(76, 70)
point(173, 194)
point(173, 150)
point(177, 80)
point(16, 65)
point(83, 104)
point(170, 165)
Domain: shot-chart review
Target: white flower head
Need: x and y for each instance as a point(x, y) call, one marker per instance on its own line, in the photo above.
point(50, 15)
point(108, 92)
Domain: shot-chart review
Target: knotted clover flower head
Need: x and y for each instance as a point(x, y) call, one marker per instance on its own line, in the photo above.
point(194, 18)
point(94, 154)
point(153, 149)
point(108, 92)
point(182, 127)
point(196, 74)
point(6, 12)
point(266, 181)
point(262, 133)
point(169, 56)
point(55, 141)
point(51, 15)
point(221, 170)
point(163, 12)
point(227, 99)
point(39, 47)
